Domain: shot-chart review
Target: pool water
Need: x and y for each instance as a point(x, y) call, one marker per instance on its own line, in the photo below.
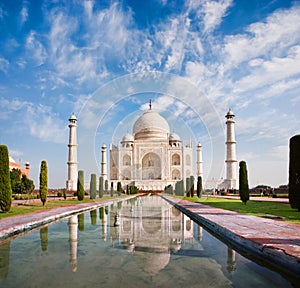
point(142, 242)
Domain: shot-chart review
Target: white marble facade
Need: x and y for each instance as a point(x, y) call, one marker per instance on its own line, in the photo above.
point(151, 157)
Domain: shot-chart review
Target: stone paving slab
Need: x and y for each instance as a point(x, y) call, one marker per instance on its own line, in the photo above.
point(275, 242)
point(16, 225)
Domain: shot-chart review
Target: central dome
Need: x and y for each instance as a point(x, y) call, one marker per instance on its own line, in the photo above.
point(151, 125)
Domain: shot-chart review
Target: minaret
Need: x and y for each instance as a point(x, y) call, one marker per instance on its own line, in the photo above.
point(199, 161)
point(104, 163)
point(231, 162)
point(72, 160)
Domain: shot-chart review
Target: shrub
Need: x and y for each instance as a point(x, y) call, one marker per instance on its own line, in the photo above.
point(43, 182)
point(5, 187)
point(93, 189)
point(294, 172)
point(80, 185)
point(243, 182)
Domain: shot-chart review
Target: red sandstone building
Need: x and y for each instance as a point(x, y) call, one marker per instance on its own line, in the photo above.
point(14, 164)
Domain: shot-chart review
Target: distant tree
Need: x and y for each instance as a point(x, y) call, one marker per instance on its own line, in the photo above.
point(294, 172)
point(43, 182)
point(119, 188)
point(5, 187)
point(101, 188)
point(192, 185)
point(80, 185)
point(199, 186)
point(93, 189)
point(106, 186)
point(17, 186)
point(243, 182)
point(28, 184)
point(111, 189)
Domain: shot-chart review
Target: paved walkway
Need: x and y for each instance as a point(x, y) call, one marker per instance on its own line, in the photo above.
point(16, 225)
point(272, 241)
point(255, 198)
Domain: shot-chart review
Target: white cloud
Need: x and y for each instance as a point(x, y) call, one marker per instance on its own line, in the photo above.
point(214, 11)
point(278, 32)
point(35, 49)
point(4, 64)
point(24, 15)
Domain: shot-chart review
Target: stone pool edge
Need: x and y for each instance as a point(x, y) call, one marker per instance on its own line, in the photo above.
point(274, 257)
point(18, 225)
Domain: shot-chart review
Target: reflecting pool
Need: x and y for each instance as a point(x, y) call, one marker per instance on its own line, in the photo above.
point(143, 242)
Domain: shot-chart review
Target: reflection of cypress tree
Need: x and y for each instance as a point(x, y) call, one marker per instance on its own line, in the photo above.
point(101, 213)
point(106, 210)
point(119, 205)
point(44, 238)
point(4, 259)
point(81, 222)
point(93, 215)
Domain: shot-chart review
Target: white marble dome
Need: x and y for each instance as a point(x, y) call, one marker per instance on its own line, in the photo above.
point(174, 137)
point(127, 138)
point(151, 125)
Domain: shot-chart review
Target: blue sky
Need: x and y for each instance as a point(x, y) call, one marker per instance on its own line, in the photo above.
point(99, 59)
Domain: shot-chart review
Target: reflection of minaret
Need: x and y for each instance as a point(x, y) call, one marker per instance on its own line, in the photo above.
point(199, 161)
point(230, 161)
point(103, 217)
point(230, 260)
point(200, 232)
point(72, 159)
point(104, 163)
point(44, 238)
point(73, 239)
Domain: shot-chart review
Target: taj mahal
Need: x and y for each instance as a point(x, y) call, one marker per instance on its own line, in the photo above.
point(152, 157)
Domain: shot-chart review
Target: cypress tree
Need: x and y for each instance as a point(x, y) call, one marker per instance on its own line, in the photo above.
point(243, 182)
point(80, 185)
point(199, 186)
point(5, 187)
point(101, 188)
point(119, 188)
point(43, 182)
point(294, 172)
point(93, 189)
point(106, 186)
point(188, 187)
point(192, 184)
point(111, 189)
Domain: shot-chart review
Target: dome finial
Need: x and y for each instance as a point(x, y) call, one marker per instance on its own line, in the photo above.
point(150, 105)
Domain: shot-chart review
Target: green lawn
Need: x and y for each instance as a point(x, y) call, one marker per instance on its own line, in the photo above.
point(255, 208)
point(50, 204)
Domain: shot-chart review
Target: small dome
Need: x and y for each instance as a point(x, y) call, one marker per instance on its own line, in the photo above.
point(229, 114)
point(103, 146)
point(73, 117)
point(174, 137)
point(127, 138)
point(199, 145)
point(12, 160)
point(151, 125)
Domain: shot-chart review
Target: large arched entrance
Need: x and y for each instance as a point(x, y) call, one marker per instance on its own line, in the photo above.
point(151, 166)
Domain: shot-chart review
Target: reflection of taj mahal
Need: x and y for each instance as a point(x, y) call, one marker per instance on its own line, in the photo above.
point(151, 156)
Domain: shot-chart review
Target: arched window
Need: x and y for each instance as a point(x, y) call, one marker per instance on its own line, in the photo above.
point(175, 159)
point(126, 160)
point(188, 160)
point(175, 174)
